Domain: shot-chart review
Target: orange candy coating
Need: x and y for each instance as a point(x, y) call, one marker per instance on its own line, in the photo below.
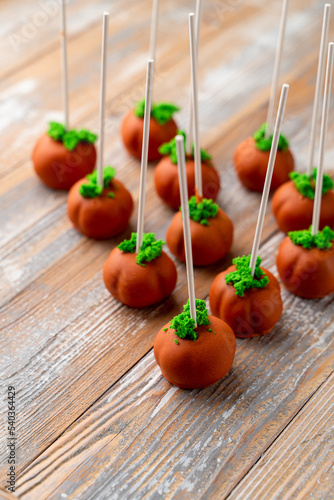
point(209, 243)
point(101, 217)
point(135, 285)
point(256, 313)
point(59, 168)
point(293, 211)
point(307, 273)
point(132, 135)
point(166, 180)
point(251, 165)
point(196, 364)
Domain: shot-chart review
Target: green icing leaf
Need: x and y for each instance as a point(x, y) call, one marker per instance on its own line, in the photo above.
point(169, 149)
point(70, 138)
point(242, 278)
point(201, 212)
point(265, 144)
point(91, 190)
point(184, 325)
point(140, 108)
point(305, 184)
point(151, 248)
point(162, 112)
point(304, 238)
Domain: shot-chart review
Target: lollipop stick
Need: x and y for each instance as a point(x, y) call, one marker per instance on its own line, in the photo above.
point(103, 97)
point(186, 224)
point(323, 133)
point(198, 17)
point(154, 23)
point(194, 88)
point(319, 85)
point(63, 42)
point(144, 154)
point(270, 169)
point(277, 65)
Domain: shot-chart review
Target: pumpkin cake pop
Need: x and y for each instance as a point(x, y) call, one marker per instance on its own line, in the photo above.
point(292, 203)
point(162, 128)
point(194, 357)
point(211, 233)
point(247, 296)
point(251, 160)
point(61, 157)
point(138, 272)
point(305, 263)
point(166, 179)
point(211, 230)
point(194, 350)
point(251, 305)
point(100, 212)
point(305, 259)
point(252, 155)
point(99, 206)
point(140, 279)
point(162, 125)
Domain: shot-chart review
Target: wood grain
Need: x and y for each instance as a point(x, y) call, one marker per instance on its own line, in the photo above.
point(300, 462)
point(67, 344)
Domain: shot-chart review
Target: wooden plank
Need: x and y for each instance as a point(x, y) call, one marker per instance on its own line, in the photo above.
point(299, 464)
point(5, 495)
point(146, 436)
point(64, 340)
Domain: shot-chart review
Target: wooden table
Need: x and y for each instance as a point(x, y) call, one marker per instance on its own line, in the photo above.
point(95, 418)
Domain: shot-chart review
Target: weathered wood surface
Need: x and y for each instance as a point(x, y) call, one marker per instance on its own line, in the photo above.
point(65, 343)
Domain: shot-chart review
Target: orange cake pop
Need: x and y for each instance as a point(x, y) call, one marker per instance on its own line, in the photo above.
point(166, 177)
point(247, 296)
point(292, 203)
point(100, 212)
point(195, 357)
point(194, 350)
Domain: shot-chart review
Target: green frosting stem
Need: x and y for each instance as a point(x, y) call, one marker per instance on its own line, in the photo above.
point(242, 278)
point(322, 240)
point(162, 112)
point(305, 184)
point(70, 138)
point(169, 149)
point(151, 248)
point(264, 144)
point(91, 189)
point(184, 325)
point(202, 211)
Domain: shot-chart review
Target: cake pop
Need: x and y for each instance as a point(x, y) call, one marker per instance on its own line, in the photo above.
point(252, 155)
point(162, 128)
point(194, 350)
point(166, 179)
point(140, 279)
point(63, 156)
point(247, 296)
point(138, 272)
point(305, 263)
point(99, 206)
point(211, 229)
point(100, 212)
point(292, 203)
point(162, 125)
point(211, 233)
point(305, 259)
point(195, 357)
